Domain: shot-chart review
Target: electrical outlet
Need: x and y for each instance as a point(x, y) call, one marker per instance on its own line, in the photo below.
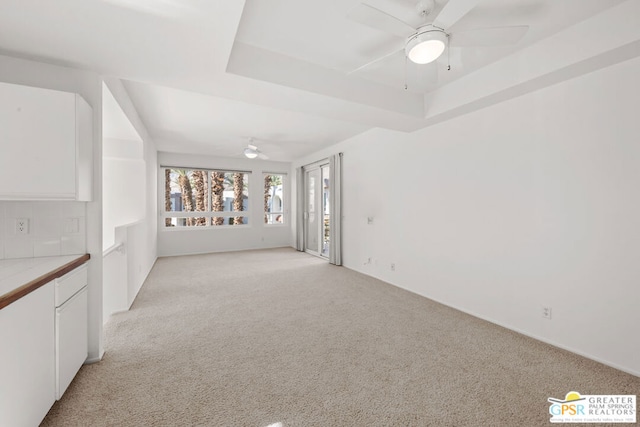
point(393, 266)
point(546, 312)
point(22, 225)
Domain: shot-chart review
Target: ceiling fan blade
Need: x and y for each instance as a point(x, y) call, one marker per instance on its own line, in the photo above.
point(453, 11)
point(263, 156)
point(379, 20)
point(377, 61)
point(498, 36)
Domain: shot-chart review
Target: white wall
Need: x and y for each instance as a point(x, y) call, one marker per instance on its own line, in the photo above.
point(125, 193)
point(124, 187)
point(126, 267)
point(255, 235)
point(89, 86)
point(115, 283)
point(527, 203)
point(135, 225)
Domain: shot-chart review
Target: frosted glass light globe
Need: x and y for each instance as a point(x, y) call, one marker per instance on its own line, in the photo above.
point(426, 46)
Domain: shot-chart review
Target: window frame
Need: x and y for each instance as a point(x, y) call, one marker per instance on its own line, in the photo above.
point(283, 177)
point(209, 214)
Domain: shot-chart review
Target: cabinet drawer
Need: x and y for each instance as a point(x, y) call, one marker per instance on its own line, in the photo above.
point(70, 284)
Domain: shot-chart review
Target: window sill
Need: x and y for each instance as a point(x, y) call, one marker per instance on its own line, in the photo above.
point(208, 227)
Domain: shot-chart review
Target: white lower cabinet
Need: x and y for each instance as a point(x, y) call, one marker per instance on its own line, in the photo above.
point(43, 344)
point(27, 374)
point(71, 339)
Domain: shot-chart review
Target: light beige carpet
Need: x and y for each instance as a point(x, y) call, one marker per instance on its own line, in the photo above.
point(264, 337)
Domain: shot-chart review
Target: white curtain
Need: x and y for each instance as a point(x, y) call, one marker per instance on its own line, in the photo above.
point(300, 209)
point(335, 205)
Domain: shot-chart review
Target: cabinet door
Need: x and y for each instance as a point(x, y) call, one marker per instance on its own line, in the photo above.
point(71, 338)
point(37, 143)
point(26, 359)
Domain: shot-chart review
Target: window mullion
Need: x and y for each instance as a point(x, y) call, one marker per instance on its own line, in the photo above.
point(181, 215)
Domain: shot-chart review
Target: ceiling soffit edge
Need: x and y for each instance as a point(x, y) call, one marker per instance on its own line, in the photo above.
point(256, 63)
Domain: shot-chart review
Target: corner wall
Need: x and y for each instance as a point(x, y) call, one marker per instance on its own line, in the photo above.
point(140, 236)
point(529, 203)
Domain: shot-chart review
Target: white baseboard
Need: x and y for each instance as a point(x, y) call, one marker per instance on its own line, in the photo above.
point(93, 360)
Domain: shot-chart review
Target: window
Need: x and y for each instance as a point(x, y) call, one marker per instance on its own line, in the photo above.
point(273, 199)
point(205, 198)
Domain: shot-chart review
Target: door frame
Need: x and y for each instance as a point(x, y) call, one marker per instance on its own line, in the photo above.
point(319, 202)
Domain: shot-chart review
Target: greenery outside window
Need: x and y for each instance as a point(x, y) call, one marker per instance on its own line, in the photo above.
point(273, 199)
point(205, 198)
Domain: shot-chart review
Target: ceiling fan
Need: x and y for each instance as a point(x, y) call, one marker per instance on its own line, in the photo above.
point(426, 43)
point(252, 152)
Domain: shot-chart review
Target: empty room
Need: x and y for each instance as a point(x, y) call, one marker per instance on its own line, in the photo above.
point(279, 213)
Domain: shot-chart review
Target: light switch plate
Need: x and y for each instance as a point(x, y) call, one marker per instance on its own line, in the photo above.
point(71, 225)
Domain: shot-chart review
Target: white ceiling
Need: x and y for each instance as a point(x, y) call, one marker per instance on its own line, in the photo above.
point(321, 33)
point(212, 125)
point(207, 75)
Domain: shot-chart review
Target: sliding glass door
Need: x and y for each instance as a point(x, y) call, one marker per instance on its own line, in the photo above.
point(326, 213)
point(316, 215)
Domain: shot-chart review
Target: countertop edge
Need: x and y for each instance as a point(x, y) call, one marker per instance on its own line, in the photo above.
point(31, 286)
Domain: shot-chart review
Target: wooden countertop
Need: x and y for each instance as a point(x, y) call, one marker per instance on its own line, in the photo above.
point(19, 277)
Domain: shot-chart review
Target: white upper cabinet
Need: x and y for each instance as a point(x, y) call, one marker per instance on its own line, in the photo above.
point(45, 144)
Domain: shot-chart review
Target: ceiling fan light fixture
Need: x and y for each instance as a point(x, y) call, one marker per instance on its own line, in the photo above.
point(426, 46)
point(250, 153)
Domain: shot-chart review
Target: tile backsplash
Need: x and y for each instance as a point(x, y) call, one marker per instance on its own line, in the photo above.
point(52, 228)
